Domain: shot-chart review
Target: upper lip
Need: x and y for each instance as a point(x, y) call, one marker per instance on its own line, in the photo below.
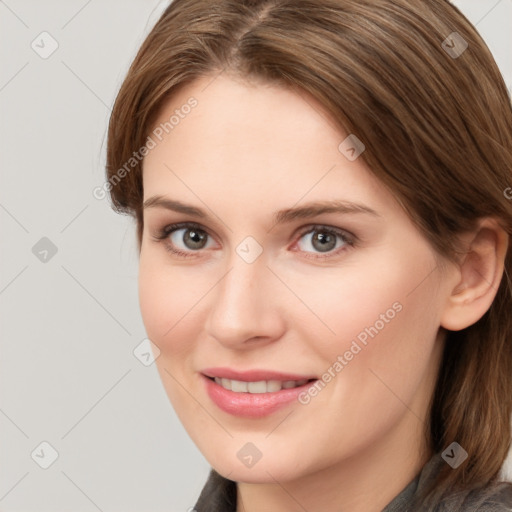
point(253, 375)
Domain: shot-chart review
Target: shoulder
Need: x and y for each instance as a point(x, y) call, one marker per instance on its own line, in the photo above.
point(497, 499)
point(218, 493)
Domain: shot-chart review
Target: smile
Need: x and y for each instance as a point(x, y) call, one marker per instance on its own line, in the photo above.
point(262, 386)
point(254, 399)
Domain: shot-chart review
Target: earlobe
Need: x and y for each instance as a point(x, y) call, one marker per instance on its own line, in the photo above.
point(481, 270)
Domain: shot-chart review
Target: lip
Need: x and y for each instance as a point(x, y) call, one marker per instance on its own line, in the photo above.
point(253, 375)
point(251, 405)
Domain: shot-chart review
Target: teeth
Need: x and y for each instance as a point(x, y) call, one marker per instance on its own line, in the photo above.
point(257, 387)
point(262, 386)
point(238, 386)
point(226, 383)
point(273, 385)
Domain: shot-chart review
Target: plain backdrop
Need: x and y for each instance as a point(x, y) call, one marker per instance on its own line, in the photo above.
point(70, 318)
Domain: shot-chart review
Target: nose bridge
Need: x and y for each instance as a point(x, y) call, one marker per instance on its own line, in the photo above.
point(240, 280)
point(241, 305)
point(240, 289)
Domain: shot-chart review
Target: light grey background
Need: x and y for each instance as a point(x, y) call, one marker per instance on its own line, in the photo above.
point(68, 375)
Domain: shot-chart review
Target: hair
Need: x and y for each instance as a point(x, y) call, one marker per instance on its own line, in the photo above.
point(437, 131)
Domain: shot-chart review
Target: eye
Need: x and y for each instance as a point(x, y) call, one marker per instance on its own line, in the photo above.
point(184, 238)
point(192, 238)
point(187, 239)
point(323, 239)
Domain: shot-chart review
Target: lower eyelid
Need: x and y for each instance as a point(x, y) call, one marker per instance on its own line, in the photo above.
point(181, 254)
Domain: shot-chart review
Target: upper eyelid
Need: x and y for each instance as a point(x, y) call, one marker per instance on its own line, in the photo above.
point(304, 229)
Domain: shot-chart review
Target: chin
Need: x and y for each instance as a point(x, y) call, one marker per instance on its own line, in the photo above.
point(265, 470)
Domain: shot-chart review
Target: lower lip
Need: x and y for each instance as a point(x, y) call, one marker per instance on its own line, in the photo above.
point(252, 405)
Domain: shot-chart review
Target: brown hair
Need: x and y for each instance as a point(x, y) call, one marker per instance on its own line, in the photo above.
point(437, 131)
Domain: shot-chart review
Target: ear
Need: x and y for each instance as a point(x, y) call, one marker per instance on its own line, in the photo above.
point(480, 271)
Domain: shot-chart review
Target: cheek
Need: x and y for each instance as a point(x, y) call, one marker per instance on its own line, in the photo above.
point(382, 323)
point(153, 301)
point(164, 300)
point(172, 301)
point(362, 301)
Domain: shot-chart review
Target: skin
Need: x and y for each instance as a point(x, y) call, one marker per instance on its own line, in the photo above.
point(244, 152)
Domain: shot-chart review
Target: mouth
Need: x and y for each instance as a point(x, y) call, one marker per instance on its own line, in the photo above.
point(260, 386)
point(254, 398)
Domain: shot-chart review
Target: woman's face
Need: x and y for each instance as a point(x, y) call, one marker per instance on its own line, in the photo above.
point(268, 282)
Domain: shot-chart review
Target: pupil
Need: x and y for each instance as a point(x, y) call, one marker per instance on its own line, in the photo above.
point(194, 239)
point(325, 242)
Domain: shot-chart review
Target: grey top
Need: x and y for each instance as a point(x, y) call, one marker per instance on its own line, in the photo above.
point(494, 498)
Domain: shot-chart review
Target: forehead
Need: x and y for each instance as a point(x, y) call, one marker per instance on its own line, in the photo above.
point(252, 142)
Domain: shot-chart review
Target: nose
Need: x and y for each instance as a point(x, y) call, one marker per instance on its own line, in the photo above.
point(245, 306)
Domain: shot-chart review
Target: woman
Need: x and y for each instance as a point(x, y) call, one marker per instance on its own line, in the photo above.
point(320, 191)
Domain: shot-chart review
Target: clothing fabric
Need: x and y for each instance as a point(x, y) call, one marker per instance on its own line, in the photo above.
point(494, 498)
point(219, 494)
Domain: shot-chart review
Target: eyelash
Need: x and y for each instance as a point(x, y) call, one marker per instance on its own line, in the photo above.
point(348, 239)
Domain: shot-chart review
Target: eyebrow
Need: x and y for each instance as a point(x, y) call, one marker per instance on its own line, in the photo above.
point(282, 216)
